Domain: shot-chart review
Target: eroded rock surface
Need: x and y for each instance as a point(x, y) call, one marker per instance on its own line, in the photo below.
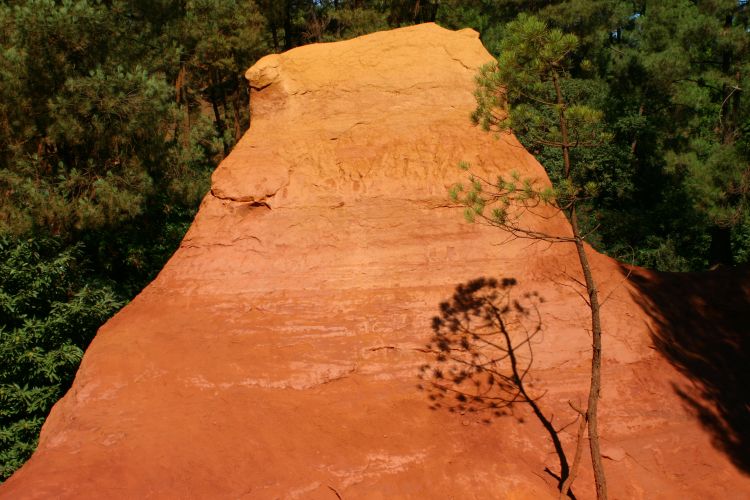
point(276, 354)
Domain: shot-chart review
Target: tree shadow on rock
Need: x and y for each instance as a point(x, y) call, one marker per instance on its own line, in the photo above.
point(702, 326)
point(483, 348)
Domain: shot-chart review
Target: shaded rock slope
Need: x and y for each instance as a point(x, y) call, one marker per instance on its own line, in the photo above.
point(276, 355)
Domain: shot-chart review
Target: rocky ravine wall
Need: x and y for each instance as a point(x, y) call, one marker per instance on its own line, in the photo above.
point(276, 354)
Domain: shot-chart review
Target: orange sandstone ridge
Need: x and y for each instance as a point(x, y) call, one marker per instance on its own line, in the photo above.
point(276, 355)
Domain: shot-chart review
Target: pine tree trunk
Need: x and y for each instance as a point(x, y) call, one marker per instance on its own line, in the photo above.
point(182, 100)
point(288, 26)
point(237, 116)
point(720, 249)
point(596, 362)
point(274, 35)
point(596, 327)
point(568, 483)
point(215, 98)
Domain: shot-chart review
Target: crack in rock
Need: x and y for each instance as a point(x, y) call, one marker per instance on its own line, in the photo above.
point(248, 200)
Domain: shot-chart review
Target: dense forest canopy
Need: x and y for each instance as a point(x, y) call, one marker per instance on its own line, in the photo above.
point(113, 113)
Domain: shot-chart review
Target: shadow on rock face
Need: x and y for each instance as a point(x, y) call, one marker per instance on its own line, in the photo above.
point(482, 346)
point(702, 326)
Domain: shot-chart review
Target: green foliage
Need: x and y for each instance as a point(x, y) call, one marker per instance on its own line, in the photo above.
point(675, 80)
point(345, 23)
point(509, 198)
point(97, 154)
point(666, 83)
point(530, 91)
point(217, 41)
point(488, 17)
point(48, 316)
point(89, 149)
point(518, 92)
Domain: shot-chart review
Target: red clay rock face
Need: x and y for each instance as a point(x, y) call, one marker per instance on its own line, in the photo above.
point(277, 353)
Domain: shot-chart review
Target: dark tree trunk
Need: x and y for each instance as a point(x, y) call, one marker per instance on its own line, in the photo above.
point(593, 293)
point(274, 35)
point(288, 39)
point(720, 251)
point(596, 362)
point(237, 113)
point(220, 127)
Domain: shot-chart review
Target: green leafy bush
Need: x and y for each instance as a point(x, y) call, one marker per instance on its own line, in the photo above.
point(48, 316)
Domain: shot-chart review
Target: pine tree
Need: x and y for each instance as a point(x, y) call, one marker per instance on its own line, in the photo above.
point(529, 91)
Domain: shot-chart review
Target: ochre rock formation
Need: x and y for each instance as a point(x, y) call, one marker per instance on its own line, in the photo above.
point(276, 355)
